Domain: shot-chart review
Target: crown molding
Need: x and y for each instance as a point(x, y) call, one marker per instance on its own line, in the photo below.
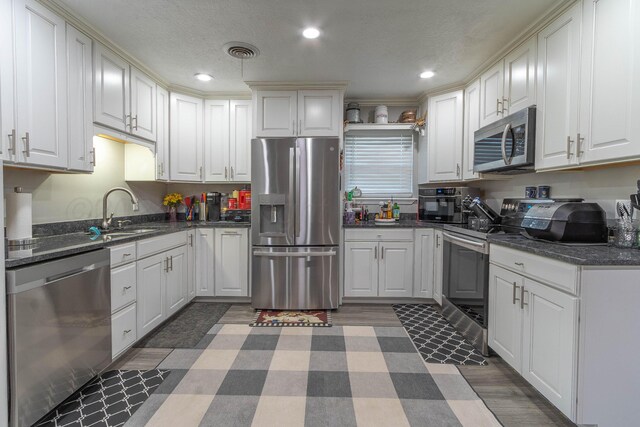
point(209, 94)
point(440, 90)
point(293, 85)
point(389, 102)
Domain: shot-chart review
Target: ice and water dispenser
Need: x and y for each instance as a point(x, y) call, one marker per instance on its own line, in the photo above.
point(272, 214)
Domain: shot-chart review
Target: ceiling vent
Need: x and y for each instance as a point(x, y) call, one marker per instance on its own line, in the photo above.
point(241, 50)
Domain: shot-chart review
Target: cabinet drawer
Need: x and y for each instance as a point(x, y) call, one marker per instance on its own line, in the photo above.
point(546, 270)
point(123, 286)
point(123, 330)
point(122, 254)
point(377, 234)
point(158, 244)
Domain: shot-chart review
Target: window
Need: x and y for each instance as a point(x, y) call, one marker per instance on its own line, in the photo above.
point(380, 163)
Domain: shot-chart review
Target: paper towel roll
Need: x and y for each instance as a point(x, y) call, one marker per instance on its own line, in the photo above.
point(19, 216)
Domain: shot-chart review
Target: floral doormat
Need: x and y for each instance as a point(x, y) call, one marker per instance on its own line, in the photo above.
point(292, 318)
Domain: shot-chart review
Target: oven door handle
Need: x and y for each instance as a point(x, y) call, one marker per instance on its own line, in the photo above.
point(474, 245)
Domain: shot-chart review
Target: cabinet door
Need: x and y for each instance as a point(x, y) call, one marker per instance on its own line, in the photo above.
point(177, 280)
point(41, 77)
point(520, 77)
point(423, 264)
point(276, 113)
point(471, 124)
point(557, 90)
point(143, 105)
point(186, 138)
point(491, 85)
point(445, 137)
point(610, 81)
point(438, 267)
point(80, 101)
point(191, 264)
point(150, 293)
point(111, 89)
point(360, 269)
point(396, 269)
point(240, 141)
point(204, 262)
point(549, 343)
point(7, 118)
point(231, 254)
point(505, 315)
point(319, 113)
point(162, 135)
point(216, 137)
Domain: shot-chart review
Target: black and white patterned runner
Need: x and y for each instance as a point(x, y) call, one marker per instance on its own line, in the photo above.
point(107, 401)
point(434, 337)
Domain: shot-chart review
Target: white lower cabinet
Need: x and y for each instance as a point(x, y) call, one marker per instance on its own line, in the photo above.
point(191, 264)
point(204, 262)
point(438, 267)
point(151, 300)
point(534, 328)
point(123, 298)
point(123, 330)
point(423, 263)
point(376, 264)
point(176, 280)
point(231, 262)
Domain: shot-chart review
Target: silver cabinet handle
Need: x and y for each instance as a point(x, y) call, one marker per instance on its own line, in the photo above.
point(437, 240)
point(515, 289)
point(504, 102)
point(126, 331)
point(171, 260)
point(166, 266)
point(128, 116)
point(93, 156)
point(579, 141)
point(12, 141)
point(225, 172)
point(382, 252)
point(498, 108)
point(522, 292)
point(201, 176)
point(123, 255)
point(162, 168)
point(233, 233)
point(126, 287)
point(191, 240)
point(457, 169)
point(293, 127)
point(519, 264)
point(569, 142)
point(375, 252)
point(231, 168)
point(136, 119)
point(25, 139)
point(300, 127)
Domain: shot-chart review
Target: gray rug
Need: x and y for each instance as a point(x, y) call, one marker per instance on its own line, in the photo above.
point(187, 328)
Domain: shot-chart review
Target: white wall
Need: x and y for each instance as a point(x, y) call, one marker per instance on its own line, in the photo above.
point(65, 197)
point(603, 186)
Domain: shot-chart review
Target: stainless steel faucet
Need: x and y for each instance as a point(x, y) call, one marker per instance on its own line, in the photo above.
point(106, 223)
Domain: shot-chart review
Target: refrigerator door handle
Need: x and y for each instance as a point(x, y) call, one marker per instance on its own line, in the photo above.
point(297, 189)
point(291, 202)
point(293, 254)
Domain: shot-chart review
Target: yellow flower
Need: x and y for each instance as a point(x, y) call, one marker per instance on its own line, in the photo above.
point(172, 200)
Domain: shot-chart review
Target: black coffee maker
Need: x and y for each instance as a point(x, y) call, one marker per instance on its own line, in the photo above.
point(213, 206)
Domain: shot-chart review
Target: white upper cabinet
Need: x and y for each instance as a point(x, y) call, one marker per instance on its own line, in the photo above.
point(227, 135)
point(491, 90)
point(558, 83)
point(471, 124)
point(79, 99)
point(7, 120)
point(319, 113)
point(610, 82)
point(445, 137)
point(143, 105)
point(216, 136)
point(162, 134)
point(298, 113)
point(240, 141)
point(111, 93)
point(41, 81)
point(276, 113)
point(186, 138)
point(520, 77)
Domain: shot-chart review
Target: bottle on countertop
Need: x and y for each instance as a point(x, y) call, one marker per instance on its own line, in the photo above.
point(396, 211)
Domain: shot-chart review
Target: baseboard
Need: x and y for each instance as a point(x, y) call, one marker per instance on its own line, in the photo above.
point(383, 300)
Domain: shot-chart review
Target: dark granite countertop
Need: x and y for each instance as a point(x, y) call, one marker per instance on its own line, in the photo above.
point(58, 246)
point(572, 254)
point(408, 223)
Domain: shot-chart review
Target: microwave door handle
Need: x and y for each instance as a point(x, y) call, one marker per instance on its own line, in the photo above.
point(507, 128)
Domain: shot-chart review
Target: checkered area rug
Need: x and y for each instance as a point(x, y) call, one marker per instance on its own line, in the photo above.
point(339, 376)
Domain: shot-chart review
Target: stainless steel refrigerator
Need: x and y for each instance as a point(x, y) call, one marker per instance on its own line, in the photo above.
point(295, 223)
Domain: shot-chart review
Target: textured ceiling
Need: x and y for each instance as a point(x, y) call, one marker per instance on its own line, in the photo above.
point(379, 46)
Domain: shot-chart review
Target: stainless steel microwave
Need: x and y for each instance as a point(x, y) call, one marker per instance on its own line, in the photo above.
point(507, 145)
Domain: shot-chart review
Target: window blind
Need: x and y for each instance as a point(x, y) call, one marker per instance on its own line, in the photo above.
point(380, 163)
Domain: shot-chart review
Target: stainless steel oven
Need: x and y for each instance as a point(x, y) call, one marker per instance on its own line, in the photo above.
point(466, 283)
point(506, 145)
point(444, 204)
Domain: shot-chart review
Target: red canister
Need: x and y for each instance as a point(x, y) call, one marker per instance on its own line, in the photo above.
point(233, 203)
point(244, 199)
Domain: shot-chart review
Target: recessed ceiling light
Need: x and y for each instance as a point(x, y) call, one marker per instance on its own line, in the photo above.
point(203, 77)
point(427, 74)
point(311, 33)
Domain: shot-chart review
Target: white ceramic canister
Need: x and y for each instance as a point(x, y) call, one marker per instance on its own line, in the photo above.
point(382, 115)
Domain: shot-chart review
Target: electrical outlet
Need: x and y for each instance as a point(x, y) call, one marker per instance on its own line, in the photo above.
point(624, 202)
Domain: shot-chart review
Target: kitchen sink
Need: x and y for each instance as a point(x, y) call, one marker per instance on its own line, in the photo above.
point(131, 232)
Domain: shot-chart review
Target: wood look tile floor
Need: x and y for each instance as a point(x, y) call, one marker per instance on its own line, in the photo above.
point(513, 401)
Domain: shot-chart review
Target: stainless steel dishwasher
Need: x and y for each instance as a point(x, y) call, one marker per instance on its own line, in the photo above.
point(59, 331)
